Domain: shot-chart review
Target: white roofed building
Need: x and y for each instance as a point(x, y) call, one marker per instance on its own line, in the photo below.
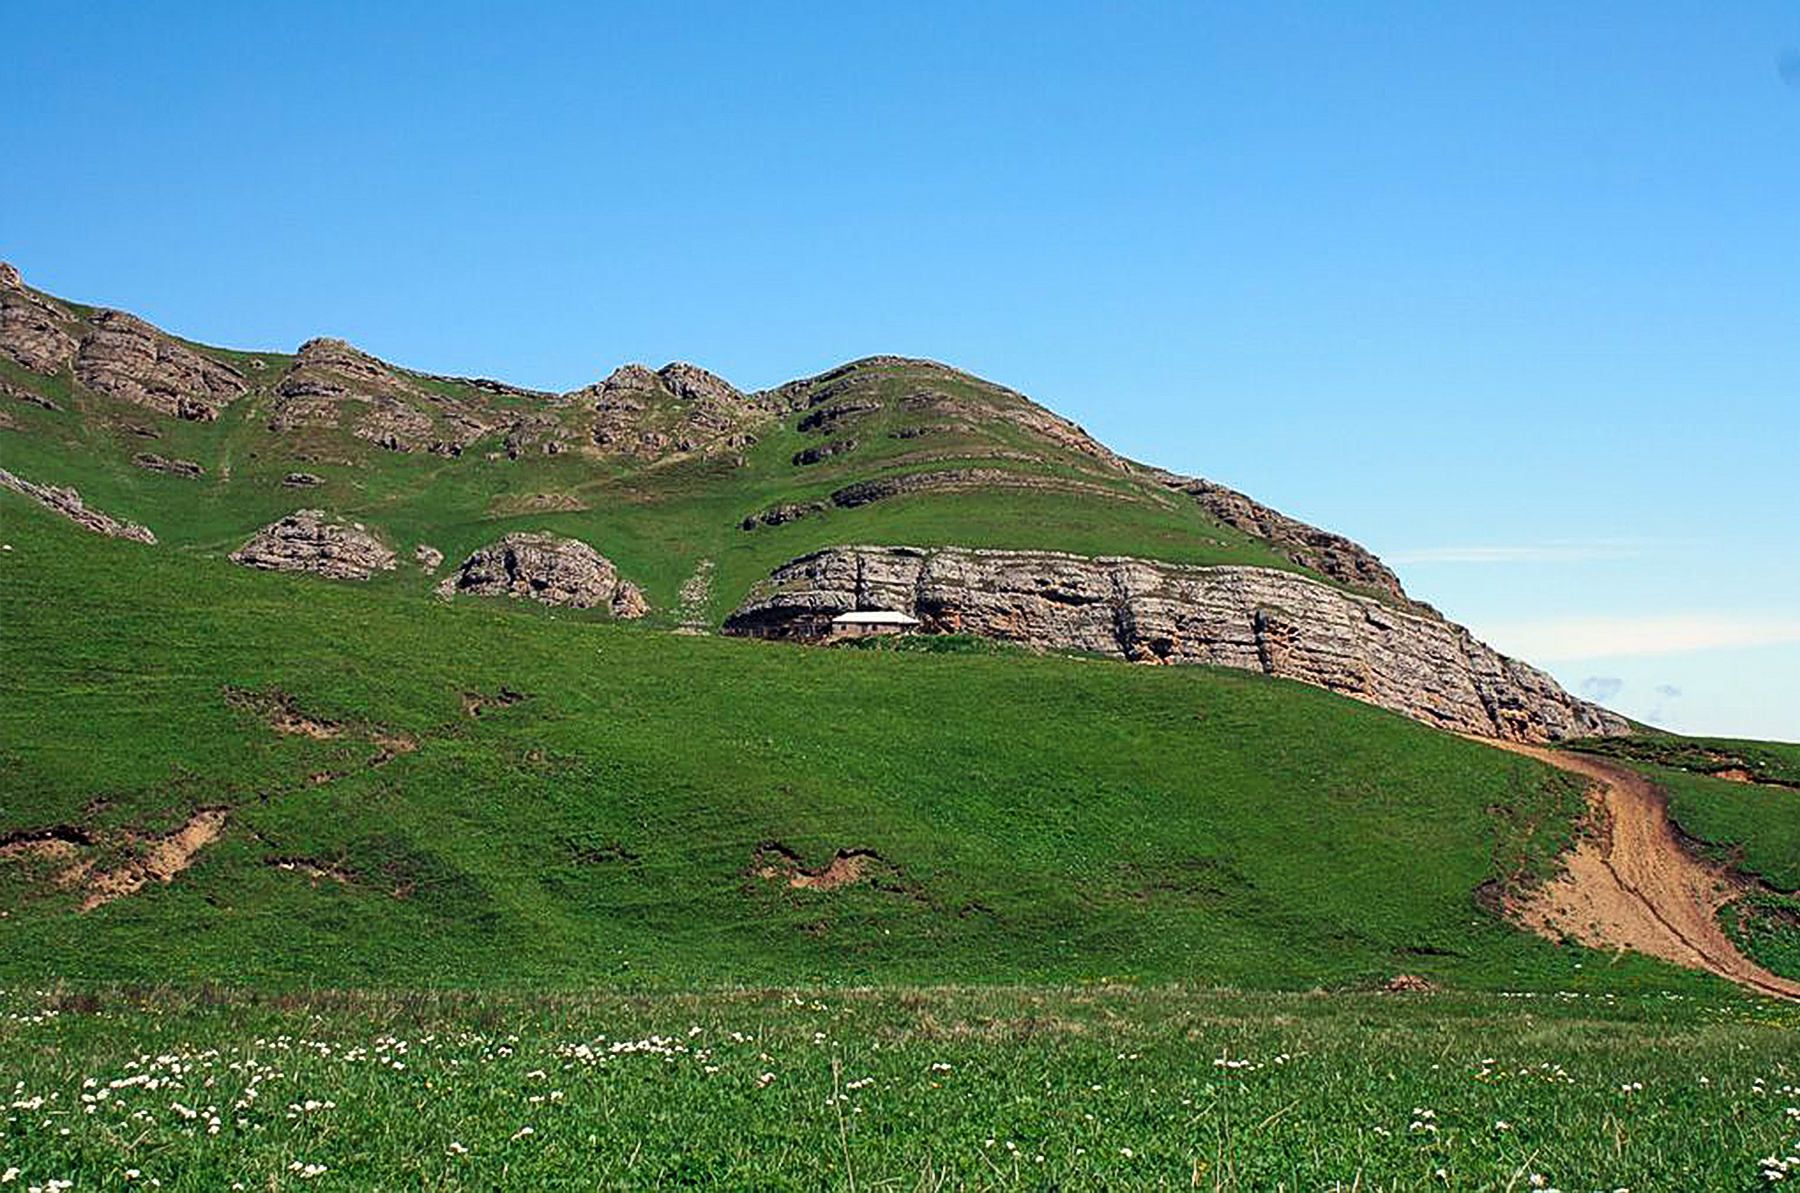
point(863, 623)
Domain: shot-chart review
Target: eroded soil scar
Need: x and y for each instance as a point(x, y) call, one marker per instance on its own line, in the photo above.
point(1631, 884)
point(775, 862)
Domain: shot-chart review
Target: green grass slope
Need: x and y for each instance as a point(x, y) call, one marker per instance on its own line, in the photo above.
point(623, 822)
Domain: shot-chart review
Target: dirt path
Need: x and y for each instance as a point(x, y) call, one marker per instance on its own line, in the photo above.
point(1631, 885)
point(696, 598)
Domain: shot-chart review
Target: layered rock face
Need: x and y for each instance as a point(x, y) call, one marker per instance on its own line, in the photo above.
point(1258, 619)
point(31, 329)
point(152, 462)
point(120, 355)
point(391, 410)
point(68, 503)
point(547, 568)
point(309, 541)
point(1327, 553)
point(130, 360)
point(647, 414)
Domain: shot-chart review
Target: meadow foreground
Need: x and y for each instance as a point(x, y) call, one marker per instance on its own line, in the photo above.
point(1017, 1088)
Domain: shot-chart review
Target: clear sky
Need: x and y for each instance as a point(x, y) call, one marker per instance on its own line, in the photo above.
point(1509, 292)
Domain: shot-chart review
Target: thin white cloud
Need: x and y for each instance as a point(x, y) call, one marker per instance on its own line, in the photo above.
point(1559, 639)
point(1541, 553)
point(1601, 687)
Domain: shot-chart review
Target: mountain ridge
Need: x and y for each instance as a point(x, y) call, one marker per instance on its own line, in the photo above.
point(674, 471)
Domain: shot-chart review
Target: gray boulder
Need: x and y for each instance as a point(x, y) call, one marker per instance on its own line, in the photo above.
point(309, 541)
point(547, 568)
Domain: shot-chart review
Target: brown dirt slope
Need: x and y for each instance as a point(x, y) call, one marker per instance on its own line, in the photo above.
point(1631, 885)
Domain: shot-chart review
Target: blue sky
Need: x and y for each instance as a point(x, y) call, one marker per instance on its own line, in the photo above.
point(1509, 292)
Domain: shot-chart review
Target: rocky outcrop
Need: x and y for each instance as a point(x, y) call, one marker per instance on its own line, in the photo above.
point(20, 394)
point(33, 330)
point(428, 558)
point(1329, 554)
point(126, 358)
point(488, 385)
point(310, 541)
point(302, 480)
point(541, 433)
point(647, 414)
point(353, 370)
point(695, 384)
point(784, 512)
point(547, 568)
point(947, 480)
point(828, 418)
point(393, 424)
point(152, 462)
point(824, 451)
point(958, 480)
point(1261, 619)
point(920, 430)
point(68, 503)
point(387, 406)
point(926, 387)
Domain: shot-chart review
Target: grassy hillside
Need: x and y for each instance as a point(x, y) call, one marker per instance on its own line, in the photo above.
point(614, 817)
point(660, 479)
point(373, 785)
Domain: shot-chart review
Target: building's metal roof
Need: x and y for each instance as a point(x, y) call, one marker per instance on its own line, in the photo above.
point(874, 617)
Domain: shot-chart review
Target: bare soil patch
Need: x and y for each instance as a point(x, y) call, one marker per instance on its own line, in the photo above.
point(475, 703)
point(284, 715)
point(163, 858)
point(77, 855)
point(777, 863)
point(57, 841)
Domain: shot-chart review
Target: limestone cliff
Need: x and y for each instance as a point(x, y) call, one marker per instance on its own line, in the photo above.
point(1262, 619)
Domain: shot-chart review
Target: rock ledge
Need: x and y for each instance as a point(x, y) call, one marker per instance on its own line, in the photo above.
point(1259, 619)
point(68, 503)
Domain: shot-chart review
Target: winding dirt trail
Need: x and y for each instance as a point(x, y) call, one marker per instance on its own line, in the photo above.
point(1632, 885)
